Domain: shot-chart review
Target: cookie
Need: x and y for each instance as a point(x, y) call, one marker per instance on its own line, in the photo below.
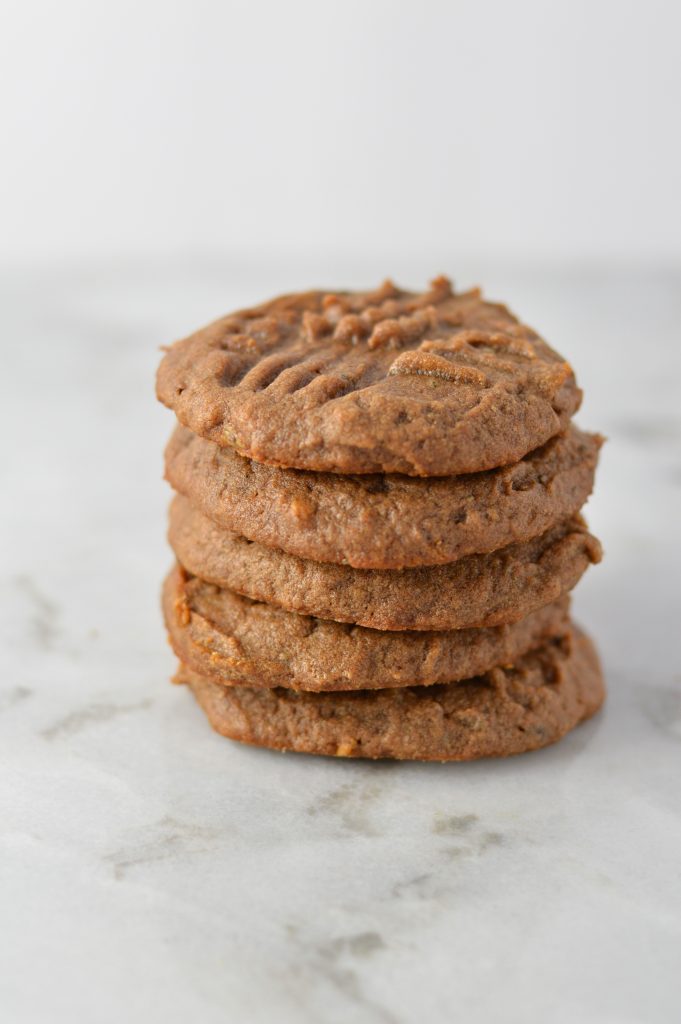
point(505, 711)
point(380, 521)
point(479, 590)
point(231, 639)
point(388, 381)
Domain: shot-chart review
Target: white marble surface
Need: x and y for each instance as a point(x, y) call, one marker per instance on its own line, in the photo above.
point(151, 871)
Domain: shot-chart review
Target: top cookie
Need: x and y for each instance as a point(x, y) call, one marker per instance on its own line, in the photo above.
point(387, 381)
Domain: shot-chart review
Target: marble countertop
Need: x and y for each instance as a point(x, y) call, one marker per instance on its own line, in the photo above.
point(152, 871)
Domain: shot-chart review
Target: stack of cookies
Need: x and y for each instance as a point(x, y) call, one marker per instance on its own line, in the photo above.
point(377, 526)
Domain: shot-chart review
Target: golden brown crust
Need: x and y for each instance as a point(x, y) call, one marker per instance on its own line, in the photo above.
point(230, 639)
point(380, 521)
point(479, 590)
point(506, 711)
point(363, 382)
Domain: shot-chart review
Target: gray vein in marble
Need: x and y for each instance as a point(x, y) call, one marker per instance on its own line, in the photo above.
point(163, 840)
point(349, 806)
point(42, 614)
point(338, 962)
point(454, 824)
point(14, 695)
point(438, 883)
point(662, 705)
point(467, 827)
point(92, 714)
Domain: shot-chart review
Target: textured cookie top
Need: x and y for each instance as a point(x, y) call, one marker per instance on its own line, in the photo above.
point(392, 381)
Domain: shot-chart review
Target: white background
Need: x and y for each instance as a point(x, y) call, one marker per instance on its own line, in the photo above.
point(527, 131)
point(161, 164)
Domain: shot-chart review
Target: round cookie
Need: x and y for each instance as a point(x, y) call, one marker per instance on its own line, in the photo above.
point(388, 381)
point(506, 711)
point(380, 521)
point(479, 590)
point(230, 639)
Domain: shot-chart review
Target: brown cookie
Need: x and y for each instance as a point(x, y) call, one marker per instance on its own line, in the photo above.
point(232, 639)
point(479, 590)
point(506, 711)
point(380, 521)
point(362, 382)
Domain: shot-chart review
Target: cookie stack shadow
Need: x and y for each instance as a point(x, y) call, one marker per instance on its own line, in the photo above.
point(377, 527)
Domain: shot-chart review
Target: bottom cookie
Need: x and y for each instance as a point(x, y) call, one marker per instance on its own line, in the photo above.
point(506, 711)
